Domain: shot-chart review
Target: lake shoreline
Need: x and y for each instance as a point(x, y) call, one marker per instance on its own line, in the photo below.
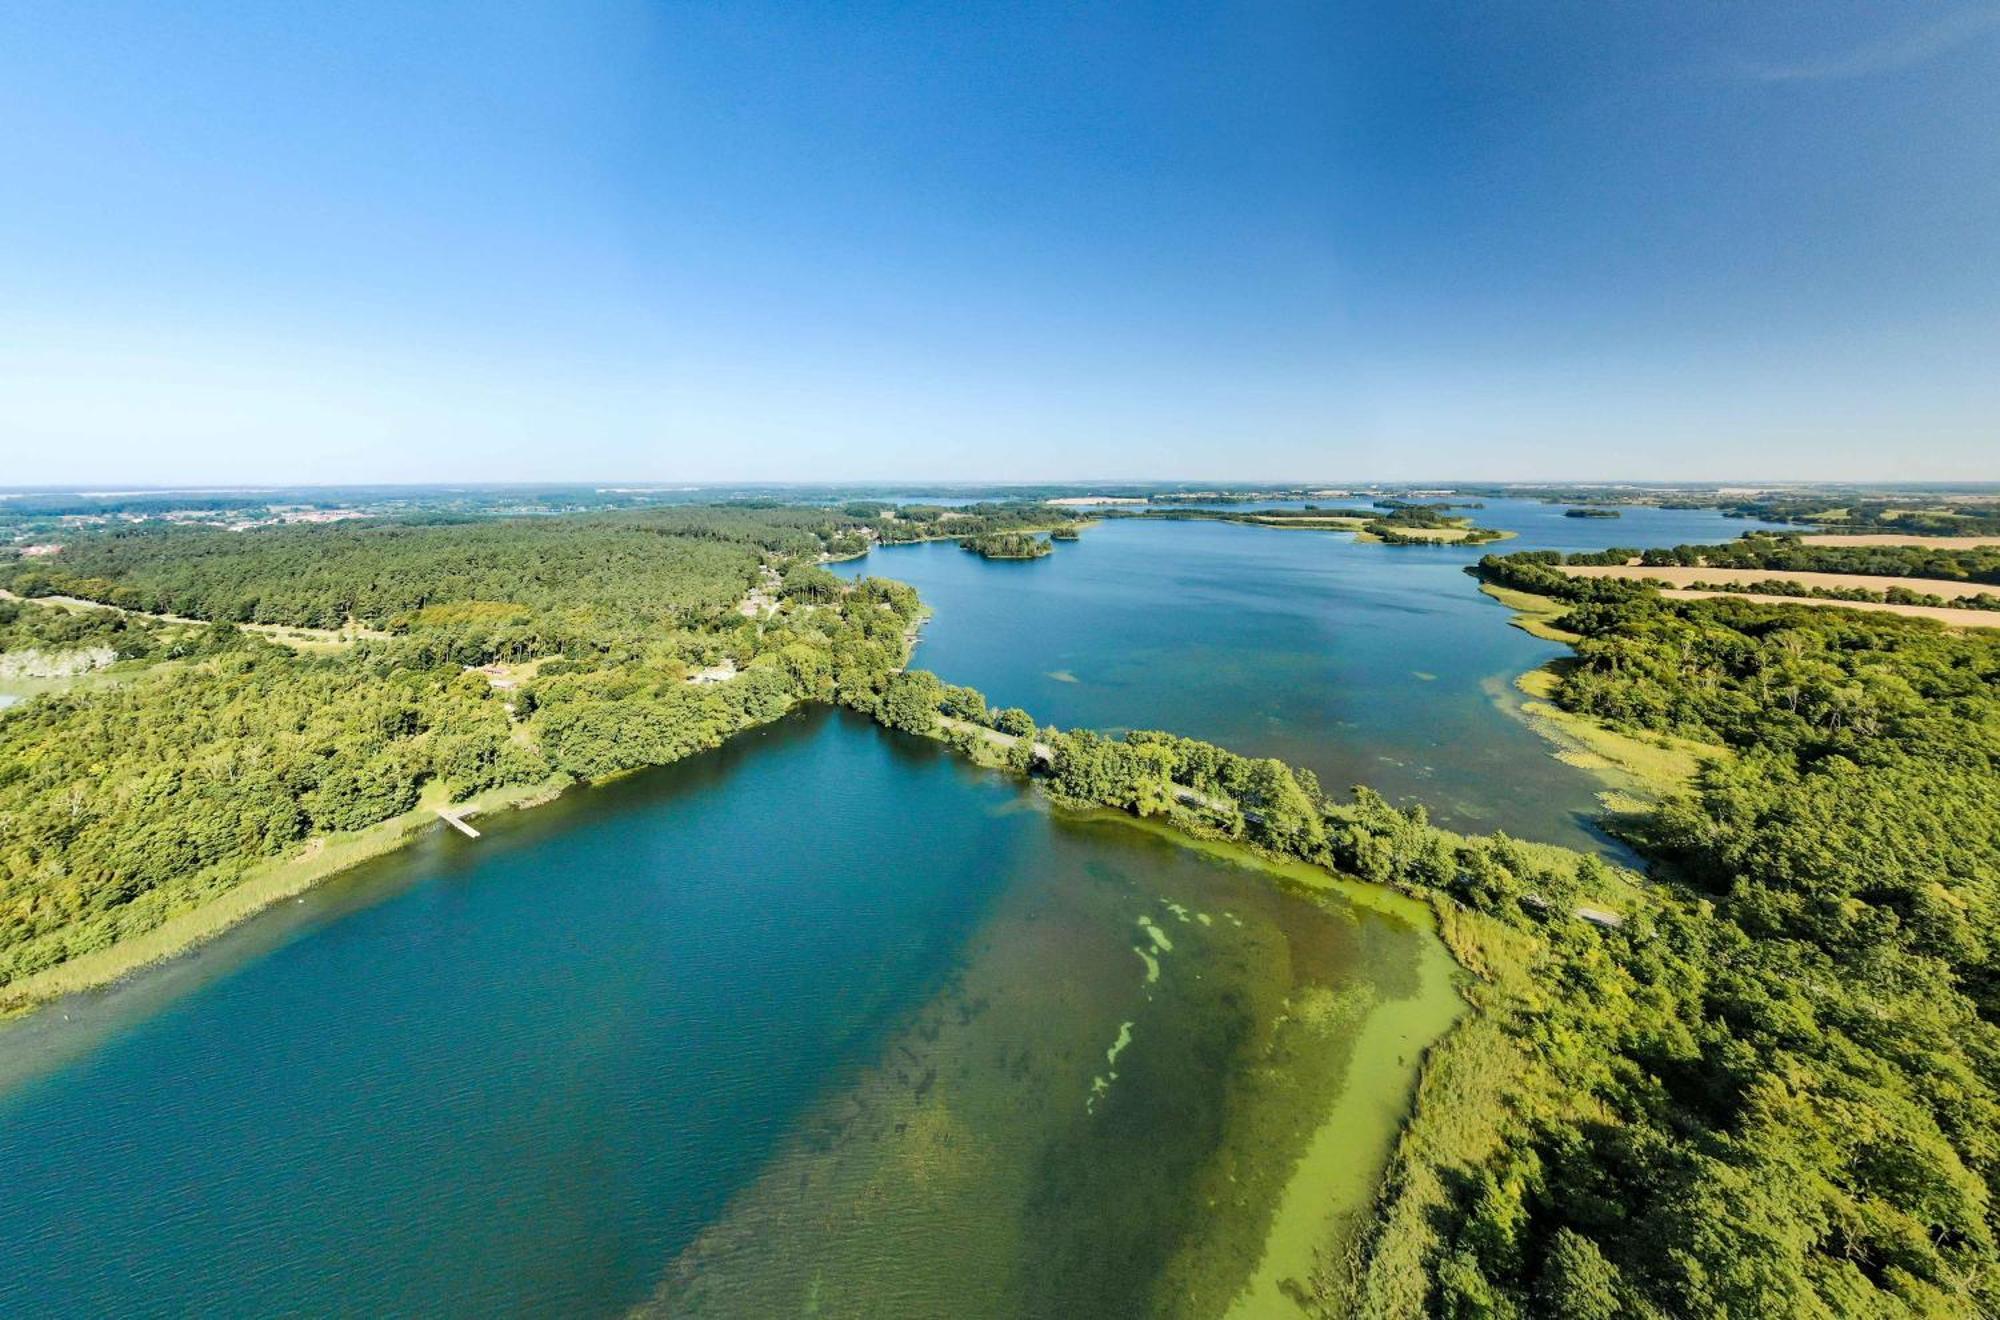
point(269, 883)
point(1636, 772)
point(315, 861)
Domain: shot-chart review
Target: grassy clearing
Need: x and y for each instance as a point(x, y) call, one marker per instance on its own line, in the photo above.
point(1329, 523)
point(1637, 770)
point(202, 913)
point(1440, 535)
point(1534, 615)
point(299, 639)
point(1640, 768)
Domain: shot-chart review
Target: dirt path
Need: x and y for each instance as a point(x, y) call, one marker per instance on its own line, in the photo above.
point(278, 632)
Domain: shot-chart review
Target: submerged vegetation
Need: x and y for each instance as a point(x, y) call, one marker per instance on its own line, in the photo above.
point(1764, 1083)
point(1761, 1082)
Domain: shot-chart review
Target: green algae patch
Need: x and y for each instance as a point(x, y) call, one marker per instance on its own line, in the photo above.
point(1325, 1207)
point(1055, 1133)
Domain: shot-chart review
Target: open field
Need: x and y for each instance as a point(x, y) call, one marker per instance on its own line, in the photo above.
point(1534, 615)
point(1686, 577)
point(1945, 614)
point(1926, 542)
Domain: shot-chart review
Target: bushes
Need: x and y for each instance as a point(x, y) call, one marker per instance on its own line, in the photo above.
point(910, 701)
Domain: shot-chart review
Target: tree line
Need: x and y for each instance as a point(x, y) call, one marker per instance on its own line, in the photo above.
point(210, 750)
point(1770, 1089)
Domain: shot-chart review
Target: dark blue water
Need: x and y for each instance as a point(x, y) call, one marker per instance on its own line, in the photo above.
point(744, 1027)
point(1367, 663)
point(527, 1074)
point(523, 1081)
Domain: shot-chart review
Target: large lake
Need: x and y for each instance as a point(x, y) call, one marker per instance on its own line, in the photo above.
point(826, 1021)
point(1366, 663)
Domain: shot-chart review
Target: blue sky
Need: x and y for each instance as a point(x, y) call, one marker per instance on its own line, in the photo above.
point(344, 242)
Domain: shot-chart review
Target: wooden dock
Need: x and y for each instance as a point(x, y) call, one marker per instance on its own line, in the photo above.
point(457, 822)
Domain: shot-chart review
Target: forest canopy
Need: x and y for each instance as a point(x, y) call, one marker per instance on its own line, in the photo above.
point(510, 654)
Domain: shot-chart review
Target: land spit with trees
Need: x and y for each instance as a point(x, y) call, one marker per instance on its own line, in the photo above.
point(1008, 545)
point(1400, 522)
point(1767, 1088)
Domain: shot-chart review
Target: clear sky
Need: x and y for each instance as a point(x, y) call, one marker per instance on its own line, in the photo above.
point(349, 242)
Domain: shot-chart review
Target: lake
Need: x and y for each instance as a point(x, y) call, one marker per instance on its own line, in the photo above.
point(827, 1020)
point(1366, 663)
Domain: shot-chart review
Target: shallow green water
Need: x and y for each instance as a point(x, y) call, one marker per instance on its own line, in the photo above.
point(828, 1021)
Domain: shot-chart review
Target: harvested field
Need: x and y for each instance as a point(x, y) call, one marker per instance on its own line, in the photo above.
point(1682, 577)
point(1945, 614)
point(1927, 542)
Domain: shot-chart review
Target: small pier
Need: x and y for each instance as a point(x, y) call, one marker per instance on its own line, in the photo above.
point(457, 821)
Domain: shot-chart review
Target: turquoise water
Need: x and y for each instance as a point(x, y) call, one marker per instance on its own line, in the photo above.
point(552, 1071)
point(827, 1020)
point(1369, 664)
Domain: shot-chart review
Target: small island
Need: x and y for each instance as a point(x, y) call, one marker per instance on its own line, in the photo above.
point(1591, 513)
point(1427, 524)
point(1007, 545)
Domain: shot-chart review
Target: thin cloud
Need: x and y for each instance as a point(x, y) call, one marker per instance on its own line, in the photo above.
point(1890, 54)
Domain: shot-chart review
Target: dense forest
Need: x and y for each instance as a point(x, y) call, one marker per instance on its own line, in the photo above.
point(1773, 1088)
point(501, 589)
point(1776, 1092)
point(1007, 545)
point(195, 752)
point(1770, 1089)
